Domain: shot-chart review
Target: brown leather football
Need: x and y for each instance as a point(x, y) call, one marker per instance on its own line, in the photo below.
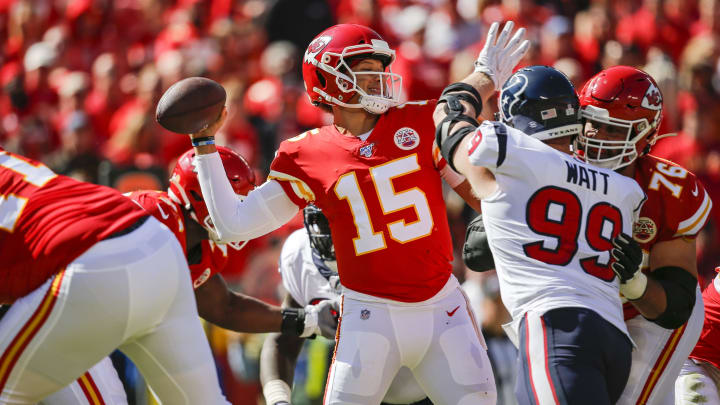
point(190, 105)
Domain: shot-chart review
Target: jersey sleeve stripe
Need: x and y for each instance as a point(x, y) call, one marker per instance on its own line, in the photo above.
point(502, 143)
point(694, 224)
point(299, 187)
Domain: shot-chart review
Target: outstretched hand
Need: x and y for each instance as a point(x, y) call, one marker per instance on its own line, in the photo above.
point(499, 56)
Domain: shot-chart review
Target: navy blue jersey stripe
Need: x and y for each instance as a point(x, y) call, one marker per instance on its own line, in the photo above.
point(501, 133)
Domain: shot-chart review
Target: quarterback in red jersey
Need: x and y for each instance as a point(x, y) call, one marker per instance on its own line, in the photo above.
point(86, 272)
point(183, 210)
point(377, 176)
point(622, 108)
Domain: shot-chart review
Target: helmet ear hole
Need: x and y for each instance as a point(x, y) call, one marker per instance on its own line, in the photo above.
point(321, 79)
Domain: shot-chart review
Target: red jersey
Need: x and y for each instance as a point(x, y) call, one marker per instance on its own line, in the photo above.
point(213, 256)
point(383, 198)
point(48, 220)
point(707, 348)
point(677, 206)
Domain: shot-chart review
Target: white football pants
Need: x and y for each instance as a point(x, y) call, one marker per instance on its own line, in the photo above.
point(437, 339)
point(99, 385)
point(659, 357)
point(131, 292)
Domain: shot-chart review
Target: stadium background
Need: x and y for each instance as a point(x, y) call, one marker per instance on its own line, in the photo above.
point(80, 80)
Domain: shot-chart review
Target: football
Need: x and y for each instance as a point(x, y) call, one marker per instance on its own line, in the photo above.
point(190, 105)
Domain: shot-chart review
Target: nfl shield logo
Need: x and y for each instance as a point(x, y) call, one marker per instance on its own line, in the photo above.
point(367, 150)
point(364, 314)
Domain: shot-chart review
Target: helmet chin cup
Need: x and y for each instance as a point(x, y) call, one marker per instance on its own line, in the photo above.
point(373, 105)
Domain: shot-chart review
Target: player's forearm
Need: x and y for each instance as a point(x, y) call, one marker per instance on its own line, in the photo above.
point(264, 210)
point(483, 84)
point(278, 357)
point(653, 303)
point(247, 314)
point(221, 306)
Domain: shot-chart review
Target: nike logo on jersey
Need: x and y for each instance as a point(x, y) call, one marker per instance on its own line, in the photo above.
point(451, 313)
point(695, 192)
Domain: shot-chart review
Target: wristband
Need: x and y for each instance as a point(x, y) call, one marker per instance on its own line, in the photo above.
point(276, 392)
point(293, 321)
point(205, 140)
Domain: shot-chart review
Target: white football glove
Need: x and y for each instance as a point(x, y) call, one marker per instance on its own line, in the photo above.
point(498, 58)
point(322, 318)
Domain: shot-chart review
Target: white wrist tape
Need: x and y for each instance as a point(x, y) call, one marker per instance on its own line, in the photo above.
point(276, 391)
point(635, 287)
point(311, 321)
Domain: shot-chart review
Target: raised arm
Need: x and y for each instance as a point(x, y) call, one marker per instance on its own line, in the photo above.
point(462, 103)
point(264, 209)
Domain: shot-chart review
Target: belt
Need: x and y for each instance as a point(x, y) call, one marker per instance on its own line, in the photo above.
point(135, 225)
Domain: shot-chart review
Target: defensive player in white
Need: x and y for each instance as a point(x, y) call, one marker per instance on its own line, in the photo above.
point(550, 220)
point(309, 274)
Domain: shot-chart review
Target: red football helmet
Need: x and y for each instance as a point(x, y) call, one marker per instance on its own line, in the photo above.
point(327, 71)
point(185, 187)
point(625, 97)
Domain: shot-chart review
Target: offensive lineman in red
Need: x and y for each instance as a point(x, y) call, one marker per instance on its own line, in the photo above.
point(86, 271)
point(622, 108)
point(182, 209)
point(376, 176)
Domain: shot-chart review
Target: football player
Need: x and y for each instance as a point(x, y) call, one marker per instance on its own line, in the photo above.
point(86, 271)
point(549, 220)
point(621, 109)
point(377, 177)
point(183, 210)
point(309, 274)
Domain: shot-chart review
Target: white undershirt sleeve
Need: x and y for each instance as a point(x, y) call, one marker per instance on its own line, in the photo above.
point(265, 209)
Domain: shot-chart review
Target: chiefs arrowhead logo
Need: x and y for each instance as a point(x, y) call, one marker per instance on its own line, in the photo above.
point(652, 99)
point(315, 47)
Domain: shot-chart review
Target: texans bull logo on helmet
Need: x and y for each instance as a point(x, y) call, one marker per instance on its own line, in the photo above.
point(511, 94)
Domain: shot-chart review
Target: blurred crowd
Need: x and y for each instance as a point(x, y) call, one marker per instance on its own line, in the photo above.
point(80, 80)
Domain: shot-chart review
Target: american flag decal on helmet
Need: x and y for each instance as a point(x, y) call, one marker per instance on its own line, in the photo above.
point(549, 113)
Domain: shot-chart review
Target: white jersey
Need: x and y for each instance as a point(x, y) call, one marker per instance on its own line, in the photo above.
point(550, 223)
point(300, 275)
point(306, 284)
